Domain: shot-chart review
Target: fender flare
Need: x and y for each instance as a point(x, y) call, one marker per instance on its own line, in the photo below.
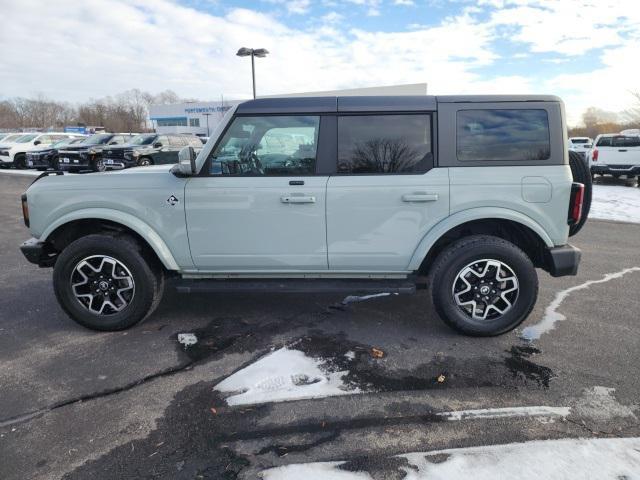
point(464, 216)
point(139, 226)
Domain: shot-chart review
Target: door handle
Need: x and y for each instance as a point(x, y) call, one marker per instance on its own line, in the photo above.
point(622, 150)
point(419, 197)
point(297, 199)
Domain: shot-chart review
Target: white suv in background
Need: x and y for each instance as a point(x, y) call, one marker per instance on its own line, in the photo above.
point(15, 153)
point(580, 145)
point(615, 154)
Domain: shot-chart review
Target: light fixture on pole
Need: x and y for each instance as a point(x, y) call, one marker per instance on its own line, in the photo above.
point(253, 52)
point(207, 115)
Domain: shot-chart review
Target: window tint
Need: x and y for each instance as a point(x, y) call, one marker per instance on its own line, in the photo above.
point(626, 141)
point(270, 145)
point(384, 144)
point(172, 122)
point(517, 135)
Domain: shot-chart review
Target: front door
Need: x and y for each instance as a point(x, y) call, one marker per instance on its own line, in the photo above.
point(260, 206)
point(386, 194)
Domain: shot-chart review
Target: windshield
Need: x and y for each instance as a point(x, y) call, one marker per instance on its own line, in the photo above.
point(26, 138)
point(579, 140)
point(142, 140)
point(97, 139)
point(60, 143)
point(12, 138)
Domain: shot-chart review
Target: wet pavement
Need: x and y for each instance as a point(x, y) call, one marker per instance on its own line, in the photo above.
point(139, 404)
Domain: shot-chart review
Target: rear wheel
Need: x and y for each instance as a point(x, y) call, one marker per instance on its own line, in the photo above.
point(581, 174)
point(105, 283)
point(483, 285)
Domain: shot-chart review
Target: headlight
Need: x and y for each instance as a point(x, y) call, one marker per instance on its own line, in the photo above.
point(135, 154)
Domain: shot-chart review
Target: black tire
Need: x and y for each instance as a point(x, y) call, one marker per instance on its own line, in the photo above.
point(20, 161)
point(147, 278)
point(581, 174)
point(144, 162)
point(55, 163)
point(464, 253)
point(97, 164)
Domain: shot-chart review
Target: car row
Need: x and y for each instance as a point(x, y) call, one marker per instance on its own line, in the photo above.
point(14, 148)
point(98, 152)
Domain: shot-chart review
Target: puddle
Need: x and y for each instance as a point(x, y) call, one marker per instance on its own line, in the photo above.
point(521, 367)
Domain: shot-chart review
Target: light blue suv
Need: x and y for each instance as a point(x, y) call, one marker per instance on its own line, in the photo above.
point(326, 194)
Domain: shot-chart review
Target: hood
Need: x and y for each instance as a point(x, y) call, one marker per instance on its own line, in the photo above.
point(78, 148)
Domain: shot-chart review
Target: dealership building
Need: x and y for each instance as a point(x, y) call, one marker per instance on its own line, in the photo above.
point(200, 118)
point(191, 117)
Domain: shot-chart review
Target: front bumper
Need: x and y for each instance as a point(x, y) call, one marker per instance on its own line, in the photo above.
point(562, 261)
point(39, 252)
point(615, 169)
point(38, 161)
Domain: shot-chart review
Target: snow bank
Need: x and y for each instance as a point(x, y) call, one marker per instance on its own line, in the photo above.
point(612, 202)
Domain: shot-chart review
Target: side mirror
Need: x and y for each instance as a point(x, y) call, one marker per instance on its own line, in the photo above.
point(37, 142)
point(157, 145)
point(113, 143)
point(187, 161)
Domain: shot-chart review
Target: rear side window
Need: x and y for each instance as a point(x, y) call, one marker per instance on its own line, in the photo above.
point(384, 144)
point(502, 135)
point(619, 141)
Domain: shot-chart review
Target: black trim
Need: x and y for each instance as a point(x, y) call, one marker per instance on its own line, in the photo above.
point(561, 261)
point(39, 253)
point(327, 151)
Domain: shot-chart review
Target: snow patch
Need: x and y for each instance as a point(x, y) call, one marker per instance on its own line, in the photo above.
point(282, 375)
point(618, 203)
point(551, 314)
point(533, 411)
point(187, 339)
point(598, 403)
point(568, 459)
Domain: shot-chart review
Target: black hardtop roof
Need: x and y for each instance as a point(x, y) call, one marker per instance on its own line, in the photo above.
point(389, 103)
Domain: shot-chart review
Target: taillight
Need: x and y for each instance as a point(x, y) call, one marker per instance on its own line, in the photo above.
point(25, 209)
point(575, 203)
point(594, 156)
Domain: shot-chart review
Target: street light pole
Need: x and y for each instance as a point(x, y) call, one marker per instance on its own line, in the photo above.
point(253, 52)
point(207, 115)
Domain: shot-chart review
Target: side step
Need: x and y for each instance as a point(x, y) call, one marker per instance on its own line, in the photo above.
point(296, 285)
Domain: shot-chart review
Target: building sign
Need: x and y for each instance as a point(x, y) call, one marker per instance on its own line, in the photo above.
point(75, 129)
point(217, 109)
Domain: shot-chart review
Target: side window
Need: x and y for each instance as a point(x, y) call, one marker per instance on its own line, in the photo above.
point(163, 139)
point(270, 145)
point(45, 139)
point(194, 122)
point(507, 135)
point(195, 142)
point(116, 140)
point(384, 144)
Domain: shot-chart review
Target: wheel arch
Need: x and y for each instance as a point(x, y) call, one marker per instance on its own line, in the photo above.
point(72, 226)
point(517, 228)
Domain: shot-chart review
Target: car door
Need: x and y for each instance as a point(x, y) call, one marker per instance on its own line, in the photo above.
point(386, 194)
point(259, 205)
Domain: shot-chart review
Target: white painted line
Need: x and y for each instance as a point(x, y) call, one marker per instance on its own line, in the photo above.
point(551, 314)
point(508, 412)
point(26, 173)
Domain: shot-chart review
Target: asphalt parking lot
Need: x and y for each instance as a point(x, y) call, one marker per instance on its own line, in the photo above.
point(78, 404)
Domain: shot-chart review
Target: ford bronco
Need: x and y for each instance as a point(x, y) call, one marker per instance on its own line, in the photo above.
point(465, 194)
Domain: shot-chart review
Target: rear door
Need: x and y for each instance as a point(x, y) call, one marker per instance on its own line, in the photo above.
point(259, 204)
point(386, 193)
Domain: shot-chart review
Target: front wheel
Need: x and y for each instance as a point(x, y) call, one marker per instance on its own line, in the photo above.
point(20, 161)
point(144, 162)
point(105, 283)
point(483, 285)
point(97, 164)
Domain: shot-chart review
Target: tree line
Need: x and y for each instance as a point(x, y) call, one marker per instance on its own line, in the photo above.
point(596, 120)
point(125, 112)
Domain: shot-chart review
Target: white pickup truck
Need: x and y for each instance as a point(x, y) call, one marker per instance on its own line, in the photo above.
point(615, 154)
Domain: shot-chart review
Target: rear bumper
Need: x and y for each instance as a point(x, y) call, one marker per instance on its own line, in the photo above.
point(562, 261)
point(616, 169)
point(38, 252)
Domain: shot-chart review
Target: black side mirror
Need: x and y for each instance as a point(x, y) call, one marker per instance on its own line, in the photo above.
point(157, 145)
point(113, 143)
point(37, 142)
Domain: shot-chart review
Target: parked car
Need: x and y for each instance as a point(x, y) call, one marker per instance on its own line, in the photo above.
point(87, 155)
point(580, 145)
point(47, 156)
point(11, 139)
point(363, 203)
point(16, 153)
point(149, 149)
point(9, 134)
point(615, 154)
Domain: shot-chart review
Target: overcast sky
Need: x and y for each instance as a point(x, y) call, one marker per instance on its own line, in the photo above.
point(587, 52)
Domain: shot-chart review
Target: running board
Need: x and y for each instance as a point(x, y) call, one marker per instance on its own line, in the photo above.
point(354, 287)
